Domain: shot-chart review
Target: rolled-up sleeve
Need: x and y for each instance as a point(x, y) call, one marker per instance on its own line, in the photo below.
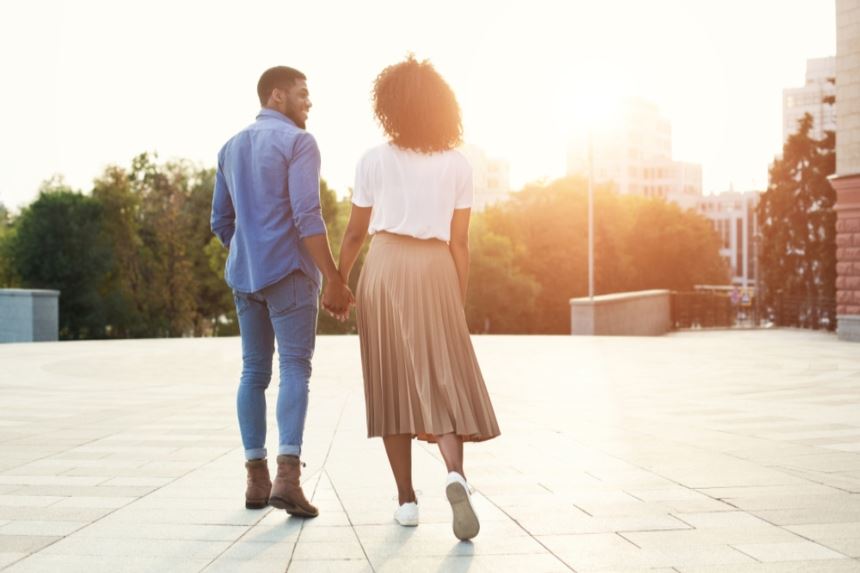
point(223, 221)
point(304, 186)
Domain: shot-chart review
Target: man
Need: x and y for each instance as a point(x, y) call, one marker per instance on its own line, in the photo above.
point(266, 211)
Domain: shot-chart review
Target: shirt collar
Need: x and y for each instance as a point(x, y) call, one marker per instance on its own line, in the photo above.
point(266, 112)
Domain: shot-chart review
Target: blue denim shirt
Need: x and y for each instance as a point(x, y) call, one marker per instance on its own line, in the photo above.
point(266, 200)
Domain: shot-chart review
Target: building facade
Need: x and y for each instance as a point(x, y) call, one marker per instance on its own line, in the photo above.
point(733, 215)
point(635, 156)
point(812, 98)
point(491, 177)
point(846, 181)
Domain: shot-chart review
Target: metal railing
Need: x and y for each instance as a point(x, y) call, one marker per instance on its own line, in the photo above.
point(724, 309)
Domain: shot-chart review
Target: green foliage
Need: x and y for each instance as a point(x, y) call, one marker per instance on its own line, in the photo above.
point(59, 244)
point(8, 276)
point(798, 232)
point(639, 244)
point(137, 258)
point(501, 298)
point(162, 282)
point(667, 245)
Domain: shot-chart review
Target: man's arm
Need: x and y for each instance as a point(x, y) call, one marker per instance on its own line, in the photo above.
point(303, 185)
point(223, 220)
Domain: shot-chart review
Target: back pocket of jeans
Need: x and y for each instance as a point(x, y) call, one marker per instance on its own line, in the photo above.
point(281, 296)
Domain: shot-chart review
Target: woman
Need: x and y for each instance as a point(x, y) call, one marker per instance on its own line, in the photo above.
point(413, 194)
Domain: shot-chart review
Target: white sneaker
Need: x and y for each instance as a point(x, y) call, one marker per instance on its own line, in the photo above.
point(407, 514)
point(466, 525)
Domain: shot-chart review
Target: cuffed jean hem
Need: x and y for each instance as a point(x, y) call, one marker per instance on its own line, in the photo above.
point(255, 454)
point(289, 451)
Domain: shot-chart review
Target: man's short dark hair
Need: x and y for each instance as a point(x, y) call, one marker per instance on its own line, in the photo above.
point(278, 77)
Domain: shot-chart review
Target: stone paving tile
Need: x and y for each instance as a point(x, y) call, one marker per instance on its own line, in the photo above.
point(660, 462)
point(41, 563)
point(792, 551)
point(110, 530)
point(325, 550)
point(12, 500)
point(335, 566)
point(95, 546)
point(814, 531)
point(264, 548)
point(849, 546)
point(611, 552)
point(25, 543)
point(732, 519)
point(808, 515)
point(53, 513)
point(831, 566)
point(41, 528)
point(254, 566)
point(463, 564)
point(7, 558)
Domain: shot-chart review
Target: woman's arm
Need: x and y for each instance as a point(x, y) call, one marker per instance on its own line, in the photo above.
point(353, 238)
point(459, 246)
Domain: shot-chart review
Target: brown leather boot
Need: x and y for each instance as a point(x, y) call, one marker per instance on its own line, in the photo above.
point(287, 491)
point(259, 484)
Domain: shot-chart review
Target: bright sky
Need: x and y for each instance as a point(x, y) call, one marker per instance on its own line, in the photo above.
point(87, 83)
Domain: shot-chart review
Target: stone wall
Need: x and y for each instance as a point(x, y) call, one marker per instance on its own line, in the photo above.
point(846, 182)
point(640, 313)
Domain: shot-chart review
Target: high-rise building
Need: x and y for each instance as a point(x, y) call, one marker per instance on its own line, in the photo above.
point(733, 215)
point(812, 98)
point(634, 154)
point(491, 177)
point(846, 181)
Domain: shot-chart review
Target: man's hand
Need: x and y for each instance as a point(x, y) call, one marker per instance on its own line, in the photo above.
point(337, 299)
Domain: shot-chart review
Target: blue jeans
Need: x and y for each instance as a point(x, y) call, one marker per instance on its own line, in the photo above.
point(287, 312)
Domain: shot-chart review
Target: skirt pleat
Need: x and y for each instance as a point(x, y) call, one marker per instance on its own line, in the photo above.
point(421, 375)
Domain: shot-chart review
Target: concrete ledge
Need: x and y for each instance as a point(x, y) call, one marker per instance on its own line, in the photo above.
point(639, 313)
point(29, 315)
point(848, 327)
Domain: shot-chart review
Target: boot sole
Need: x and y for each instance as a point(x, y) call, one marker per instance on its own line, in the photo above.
point(256, 504)
point(291, 508)
point(466, 525)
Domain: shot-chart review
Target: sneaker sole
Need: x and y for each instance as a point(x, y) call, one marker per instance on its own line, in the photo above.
point(407, 523)
point(466, 525)
point(291, 508)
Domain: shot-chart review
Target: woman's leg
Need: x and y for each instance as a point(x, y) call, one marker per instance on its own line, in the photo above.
point(451, 446)
point(399, 450)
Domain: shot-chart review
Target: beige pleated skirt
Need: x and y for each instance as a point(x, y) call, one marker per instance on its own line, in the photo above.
point(421, 376)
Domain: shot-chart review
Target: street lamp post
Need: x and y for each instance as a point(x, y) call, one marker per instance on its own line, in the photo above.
point(590, 217)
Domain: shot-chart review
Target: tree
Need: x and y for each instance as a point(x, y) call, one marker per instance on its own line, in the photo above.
point(664, 240)
point(162, 282)
point(798, 232)
point(59, 244)
point(7, 273)
point(501, 297)
point(639, 244)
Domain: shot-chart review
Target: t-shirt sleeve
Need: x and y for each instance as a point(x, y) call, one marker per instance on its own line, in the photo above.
point(466, 187)
point(362, 193)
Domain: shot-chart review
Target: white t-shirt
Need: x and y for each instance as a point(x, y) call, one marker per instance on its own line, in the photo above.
point(413, 193)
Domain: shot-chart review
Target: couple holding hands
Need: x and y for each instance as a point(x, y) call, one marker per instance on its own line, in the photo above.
point(413, 195)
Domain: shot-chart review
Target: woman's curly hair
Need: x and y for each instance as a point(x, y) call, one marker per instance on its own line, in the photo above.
point(416, 107)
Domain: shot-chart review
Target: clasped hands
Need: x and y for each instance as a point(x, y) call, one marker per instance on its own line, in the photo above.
point(337, 298)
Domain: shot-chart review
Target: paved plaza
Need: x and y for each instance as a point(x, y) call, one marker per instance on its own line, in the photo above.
point(699, 452)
